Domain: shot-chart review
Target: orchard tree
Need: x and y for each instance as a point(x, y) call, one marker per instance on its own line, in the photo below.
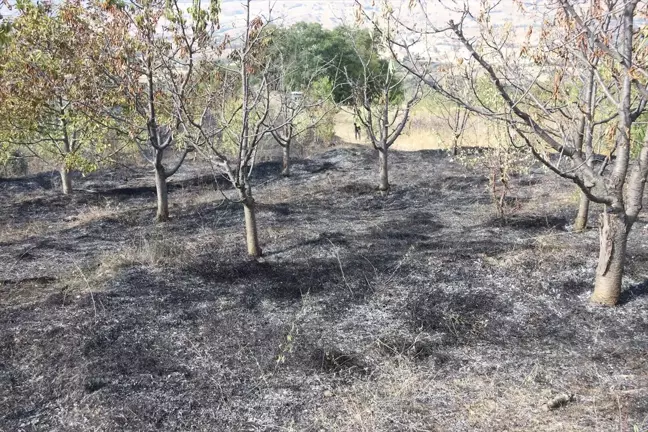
point(148, 55)
point(379, 102)
point(5, 27)
point(48, 87)
point(529, 83)
point(297, 108)
point(454, 115)
point(228, 119)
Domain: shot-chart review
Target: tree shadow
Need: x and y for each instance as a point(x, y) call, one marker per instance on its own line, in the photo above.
point(44, 180)
point(633, 293)
point(530, 222)
point(254, 281)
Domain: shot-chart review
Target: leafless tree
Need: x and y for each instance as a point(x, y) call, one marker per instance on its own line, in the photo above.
point(380, 105)
point(298, 111)
point(230, 112)
point(457, 119)
point(528, 84)
point(455, 116)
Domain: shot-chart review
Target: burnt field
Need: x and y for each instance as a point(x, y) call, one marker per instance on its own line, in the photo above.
point(417, 311)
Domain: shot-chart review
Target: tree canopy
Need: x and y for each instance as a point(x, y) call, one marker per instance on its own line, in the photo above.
point(339, 53)
point(48, 86)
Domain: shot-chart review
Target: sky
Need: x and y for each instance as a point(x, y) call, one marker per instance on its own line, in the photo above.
point(332, 13)
point(328, 13)
point(336, 12)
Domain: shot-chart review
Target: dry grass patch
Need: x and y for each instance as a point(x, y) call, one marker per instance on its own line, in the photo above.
point(12, 232)
point(92, 213)
point(405, 395)
point(152, 253)
point(424, 132)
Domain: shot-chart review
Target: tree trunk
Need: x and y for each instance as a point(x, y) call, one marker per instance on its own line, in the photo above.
point(66, 180)
point(609, 273)
point(384, 173)
point(162, 195)
point(455, 145)
point(251, 235)
point(580, 224)
point(286, 161)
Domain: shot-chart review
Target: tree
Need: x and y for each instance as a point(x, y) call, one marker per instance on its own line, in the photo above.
point(48, 88)
point(149, 56)
point(377, 99)
point(609, 31)
point(299, 108)
point(308, 47)
point(580, 97)
point(228, 119)
point(5, 25)
point(455, 117)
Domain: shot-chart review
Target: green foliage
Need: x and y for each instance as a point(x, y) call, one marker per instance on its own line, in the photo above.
point(321, 88)
point(5, 28)
point(638, 134)
point(12, 163)
point(307, 47)
point(48, 86)
point(324, 130)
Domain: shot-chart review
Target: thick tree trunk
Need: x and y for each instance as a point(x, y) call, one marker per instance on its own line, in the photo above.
point(251, 235)
point(286, 161)
point(66, 180)
point(384, 173)
point(580, 224)
point(162, 195)
point(609, 273)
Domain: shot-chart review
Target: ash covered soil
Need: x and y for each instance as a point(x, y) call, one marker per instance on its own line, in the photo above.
point(415, 311)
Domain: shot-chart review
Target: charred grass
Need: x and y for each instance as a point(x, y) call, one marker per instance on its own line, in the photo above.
point(412, 311)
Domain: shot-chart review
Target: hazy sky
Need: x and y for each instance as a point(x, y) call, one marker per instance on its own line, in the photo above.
point(335, 12)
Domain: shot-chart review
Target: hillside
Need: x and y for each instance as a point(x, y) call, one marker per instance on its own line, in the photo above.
point(414, 311)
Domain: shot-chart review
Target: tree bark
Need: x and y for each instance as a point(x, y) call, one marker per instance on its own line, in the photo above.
point(584, 127)
point(286, 161)
point(384, 173)
point(637, 186)
point(609, 273)
point(66, 180)
point(455, 145)
point(251, 234)
point(580, 224)
point(162, 195)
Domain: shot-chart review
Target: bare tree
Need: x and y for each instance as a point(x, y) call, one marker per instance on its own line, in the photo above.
point(455, 116)
point(457, 120)
point(299, 110)
point(528, 81)
point(228, 112)
point(377, 100)
point(288, 105)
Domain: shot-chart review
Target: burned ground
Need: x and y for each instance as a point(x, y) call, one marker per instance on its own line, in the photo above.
point(412, 311)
